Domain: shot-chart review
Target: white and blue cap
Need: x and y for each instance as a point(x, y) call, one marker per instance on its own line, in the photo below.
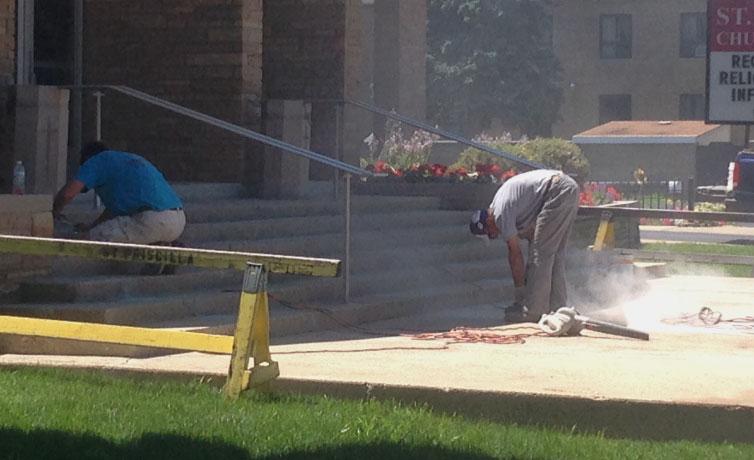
point(478, 223)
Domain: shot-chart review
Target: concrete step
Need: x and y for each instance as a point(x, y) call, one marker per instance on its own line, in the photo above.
point(211, 192)
point(114, 301)
point(249, 209)
point(312, 225)
point(331, 244)
point(66, 289)
point(286, 320)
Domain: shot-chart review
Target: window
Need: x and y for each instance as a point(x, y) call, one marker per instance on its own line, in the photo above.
point(691, 107)
point(615, 36)
point(693, 35)
point(615, 107)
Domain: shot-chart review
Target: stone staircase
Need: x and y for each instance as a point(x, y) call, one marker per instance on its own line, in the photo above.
point(408, 255)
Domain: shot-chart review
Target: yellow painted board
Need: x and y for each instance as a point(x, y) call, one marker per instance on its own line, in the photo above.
point(122, 335)
point(169, 255)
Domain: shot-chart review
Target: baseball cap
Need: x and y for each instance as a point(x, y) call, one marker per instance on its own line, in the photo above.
point(478, 223)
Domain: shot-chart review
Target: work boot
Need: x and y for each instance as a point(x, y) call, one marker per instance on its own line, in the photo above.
point(517, 313)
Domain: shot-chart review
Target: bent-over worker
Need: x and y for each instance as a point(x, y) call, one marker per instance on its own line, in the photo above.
point(539, 206)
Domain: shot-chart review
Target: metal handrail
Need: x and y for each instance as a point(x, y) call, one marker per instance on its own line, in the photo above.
point(241, 131)
point(345, 168)
point(443, 133)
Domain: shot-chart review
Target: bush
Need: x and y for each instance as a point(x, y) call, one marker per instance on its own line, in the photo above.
point(552, 152)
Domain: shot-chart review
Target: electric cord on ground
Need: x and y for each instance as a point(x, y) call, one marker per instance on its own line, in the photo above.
point(706, 317)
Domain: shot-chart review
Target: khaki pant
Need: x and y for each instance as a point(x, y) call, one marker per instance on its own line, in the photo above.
point(146, 227)
point(545, 271)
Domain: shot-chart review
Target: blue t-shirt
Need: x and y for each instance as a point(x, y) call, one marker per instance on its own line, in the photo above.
point(127, 183)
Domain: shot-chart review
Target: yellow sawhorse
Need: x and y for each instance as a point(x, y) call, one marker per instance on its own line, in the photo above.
point(251, 340)
point(252, 334)
point(605, 238)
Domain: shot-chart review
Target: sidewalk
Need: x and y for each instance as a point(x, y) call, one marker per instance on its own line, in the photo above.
point(686, 382)
point(718, 234)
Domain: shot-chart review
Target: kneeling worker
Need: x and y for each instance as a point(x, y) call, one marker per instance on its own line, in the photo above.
point(140, 206)
point(539, 206)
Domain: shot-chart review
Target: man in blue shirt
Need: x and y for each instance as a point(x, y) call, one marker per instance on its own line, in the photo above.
point(140, 206)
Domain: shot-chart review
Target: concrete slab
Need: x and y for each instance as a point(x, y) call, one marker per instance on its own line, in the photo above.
point(689, 381)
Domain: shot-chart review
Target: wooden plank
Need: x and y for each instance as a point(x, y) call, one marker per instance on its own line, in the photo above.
point(121, 335)
point(694, 258)
point(170, 256)
point(667, 214)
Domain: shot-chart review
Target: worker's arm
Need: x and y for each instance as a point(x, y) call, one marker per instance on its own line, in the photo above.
point(516, 261)
point(105, 216)
point(66, 195)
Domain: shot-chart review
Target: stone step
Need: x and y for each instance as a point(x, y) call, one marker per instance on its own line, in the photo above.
point(249, 209)
point(212, 192)
point(66, 289)
point(331, 244)
point(100, 301)
point(285, 320)
point(312, 225)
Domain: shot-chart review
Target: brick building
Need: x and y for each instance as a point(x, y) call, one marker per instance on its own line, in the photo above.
point(630, 60)
point(226, 58)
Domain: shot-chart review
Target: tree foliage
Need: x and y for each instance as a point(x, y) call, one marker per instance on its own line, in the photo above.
point(492, 59)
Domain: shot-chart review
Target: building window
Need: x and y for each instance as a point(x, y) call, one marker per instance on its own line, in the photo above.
point(693, 35)
point(615, 36)
point(615, 107)
point(691, 107)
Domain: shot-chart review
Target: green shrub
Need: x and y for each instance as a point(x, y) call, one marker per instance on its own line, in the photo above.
point(552, 152)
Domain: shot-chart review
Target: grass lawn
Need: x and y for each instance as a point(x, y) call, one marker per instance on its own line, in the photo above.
point(73, 414)
point(740, 271)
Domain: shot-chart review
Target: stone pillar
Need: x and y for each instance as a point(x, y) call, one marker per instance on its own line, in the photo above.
point(400, 55)
point(286, 174)
point(41, 139)
point(27, 215)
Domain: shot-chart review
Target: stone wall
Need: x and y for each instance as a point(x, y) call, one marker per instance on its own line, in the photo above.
point(7, 70)
point(205, 55)
point(314, 50)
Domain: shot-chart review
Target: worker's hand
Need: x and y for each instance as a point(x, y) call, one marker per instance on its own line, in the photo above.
point(519, 295)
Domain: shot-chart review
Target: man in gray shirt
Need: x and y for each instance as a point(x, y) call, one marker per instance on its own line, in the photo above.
point(539, 206)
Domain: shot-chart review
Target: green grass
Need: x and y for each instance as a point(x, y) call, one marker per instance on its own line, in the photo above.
point(72, 414)
point(737, 271)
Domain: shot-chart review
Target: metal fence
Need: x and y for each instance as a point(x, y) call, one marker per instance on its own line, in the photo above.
point(666, 194)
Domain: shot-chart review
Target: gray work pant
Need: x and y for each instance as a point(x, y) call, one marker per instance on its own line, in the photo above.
point(545, 271)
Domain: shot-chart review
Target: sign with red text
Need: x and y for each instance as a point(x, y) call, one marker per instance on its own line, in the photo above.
point(730, 61)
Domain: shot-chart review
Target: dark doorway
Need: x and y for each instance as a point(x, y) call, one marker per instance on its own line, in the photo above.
point(53, 42)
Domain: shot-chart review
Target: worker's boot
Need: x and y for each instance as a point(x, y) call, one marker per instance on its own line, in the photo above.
point(517, 313)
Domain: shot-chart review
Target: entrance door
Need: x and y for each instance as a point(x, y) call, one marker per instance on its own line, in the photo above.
point(45, 42)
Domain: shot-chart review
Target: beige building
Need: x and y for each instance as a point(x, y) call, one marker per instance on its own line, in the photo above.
point(665, 150)
point(630, 60)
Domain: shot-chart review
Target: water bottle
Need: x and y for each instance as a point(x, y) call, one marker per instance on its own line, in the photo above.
point(19, 179)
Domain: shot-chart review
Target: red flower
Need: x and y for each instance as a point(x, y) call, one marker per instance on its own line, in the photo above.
point(381, 167)
point(508, 174)
point(613, 193)
point(438, 170)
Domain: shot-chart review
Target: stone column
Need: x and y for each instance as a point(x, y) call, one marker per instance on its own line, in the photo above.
point(400, 56)
point(41, 136)
point(286, 174)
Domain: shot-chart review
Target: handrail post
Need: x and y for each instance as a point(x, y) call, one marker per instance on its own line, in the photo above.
point(339, 137)
point(98, 94)
point(347, 242)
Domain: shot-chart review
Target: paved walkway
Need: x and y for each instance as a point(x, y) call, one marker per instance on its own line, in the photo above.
point(699, 378)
